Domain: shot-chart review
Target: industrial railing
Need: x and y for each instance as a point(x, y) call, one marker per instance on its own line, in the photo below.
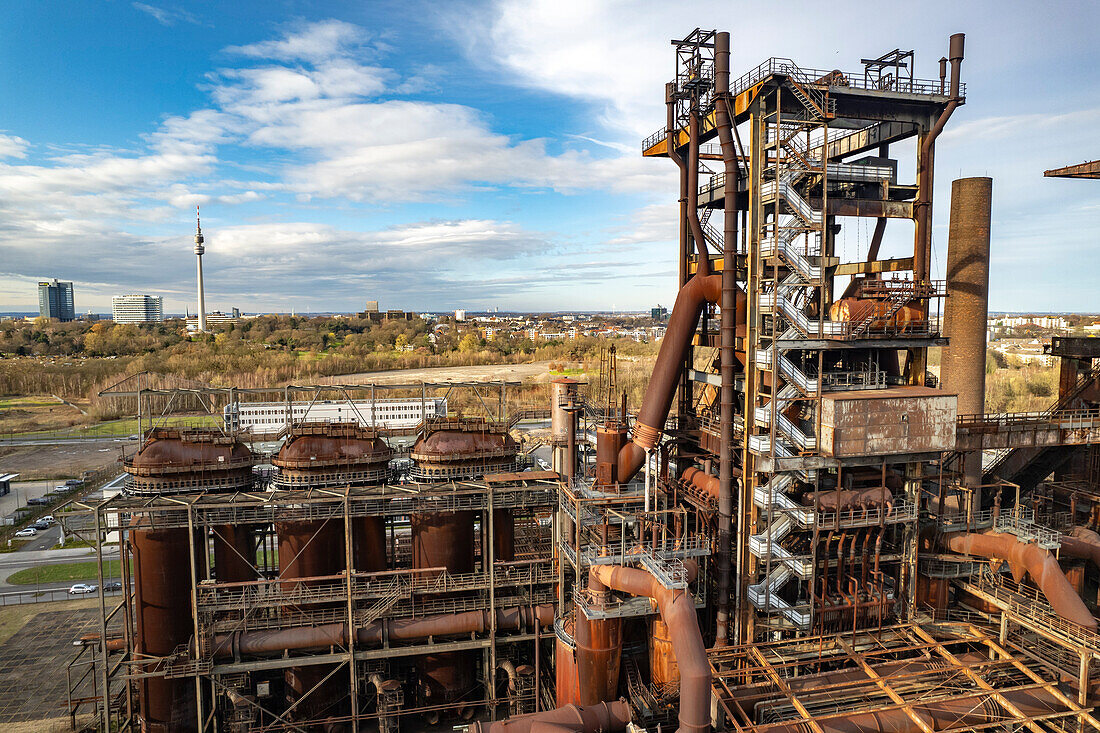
point(822, 78)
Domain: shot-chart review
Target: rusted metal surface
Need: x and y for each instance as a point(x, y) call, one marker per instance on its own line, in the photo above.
point(922, 208)
point(162, 607)
point(566, 680)
point(663, 669)
point(678, 612)
point(599, 645)
point(1030, 559)
point(887, 421)
point(610, 439)
point(175, 461)
point(562, 391)
point(463, 449)
point(608, 717)
point(234, 553)
point(504, 535)
point(369, 544)
point(1081, 170)
point(308, 550)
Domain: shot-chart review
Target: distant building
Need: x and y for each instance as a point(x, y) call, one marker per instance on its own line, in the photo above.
point(271, 417)
point(212, 319)
point(372, 306)
point(55, 300)
point(659, 313)
point(236, 312)
point(460, 315)
point(137, 308)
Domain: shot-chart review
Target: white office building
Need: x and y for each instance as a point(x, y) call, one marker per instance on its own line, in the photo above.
point(137, 308)
point(271, 417)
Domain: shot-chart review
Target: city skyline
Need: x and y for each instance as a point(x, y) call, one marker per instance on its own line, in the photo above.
point(337, 155)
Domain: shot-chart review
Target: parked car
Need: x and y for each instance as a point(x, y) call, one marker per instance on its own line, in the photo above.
point(82, 588)
point(75, 482)
point(112, 585)
point(48, 519)
point(38, 501)
point(27, 532)
point(40, 525)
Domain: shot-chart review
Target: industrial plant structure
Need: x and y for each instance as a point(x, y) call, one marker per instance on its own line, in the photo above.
point(793, 532)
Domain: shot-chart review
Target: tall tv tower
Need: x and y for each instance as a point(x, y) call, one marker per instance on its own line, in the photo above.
point(199, 250)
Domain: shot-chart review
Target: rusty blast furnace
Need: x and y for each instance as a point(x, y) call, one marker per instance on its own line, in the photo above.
point(794, 532)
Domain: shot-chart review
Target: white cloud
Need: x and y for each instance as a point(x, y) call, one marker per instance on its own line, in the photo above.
point(312, 42)
point(166, 16)
point(12, 146)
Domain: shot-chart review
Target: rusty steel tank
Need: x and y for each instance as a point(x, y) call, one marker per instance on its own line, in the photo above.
point(445, 540)
point(319, 454)
point(463, 448)
point(309, 550)
point(610, 438)
point(162, 615)
point(174, 461)
point(566, 682)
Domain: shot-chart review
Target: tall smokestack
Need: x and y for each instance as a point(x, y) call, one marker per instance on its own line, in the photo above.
point(199, 250)
point(965, 314)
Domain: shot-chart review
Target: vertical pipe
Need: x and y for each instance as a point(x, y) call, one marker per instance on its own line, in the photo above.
point(963, 363)
point(728, 329)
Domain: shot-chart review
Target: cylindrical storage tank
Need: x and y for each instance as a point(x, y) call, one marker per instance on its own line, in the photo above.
point(369, 544)
point(445, 540)
point(504, 535)
point(599, 654)
point(663, 669)
point(962, 366)
point(175, 461)
point(312, 549)
point(463, 448)
point(563, 393)
point(566, 682)
point(331, 454)
point(162, 614)
point(234, 553)
point(610, 438)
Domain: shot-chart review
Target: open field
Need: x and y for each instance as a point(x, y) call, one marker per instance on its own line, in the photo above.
point(37, 462)
point(37, 412)
point(538, 370)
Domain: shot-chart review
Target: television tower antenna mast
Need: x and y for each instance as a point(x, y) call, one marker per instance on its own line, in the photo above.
point(199, 251)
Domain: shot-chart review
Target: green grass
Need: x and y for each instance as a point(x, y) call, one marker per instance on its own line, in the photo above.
point(24, 402)
point(122, 428)
point(63, 572)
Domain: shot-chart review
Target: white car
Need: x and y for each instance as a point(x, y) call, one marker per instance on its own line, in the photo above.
point(82, 588)
point(28, 532)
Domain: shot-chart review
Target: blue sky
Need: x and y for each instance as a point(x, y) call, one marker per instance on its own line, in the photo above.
point(473, 154)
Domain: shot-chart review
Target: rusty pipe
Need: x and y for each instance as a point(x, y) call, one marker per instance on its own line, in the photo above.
point(605, 717)
point(678, 612)
point(701, 288)
point(727, 327)
point(1028, 558)
point(923, 204)
point(1082, 543)
point(448, 624)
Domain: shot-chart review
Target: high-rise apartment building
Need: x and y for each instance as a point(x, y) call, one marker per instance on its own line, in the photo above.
point(137, 308)
point(55, 300)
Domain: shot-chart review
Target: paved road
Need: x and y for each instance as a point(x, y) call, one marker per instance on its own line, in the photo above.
point(44, 540)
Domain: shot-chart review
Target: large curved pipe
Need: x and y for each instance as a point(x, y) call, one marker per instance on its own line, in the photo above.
point(1082, 543)
point(923, 204)
point(678, 612)
point(317, 637)
point(1031, 559)
point(702, 287)
point(606, 717)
